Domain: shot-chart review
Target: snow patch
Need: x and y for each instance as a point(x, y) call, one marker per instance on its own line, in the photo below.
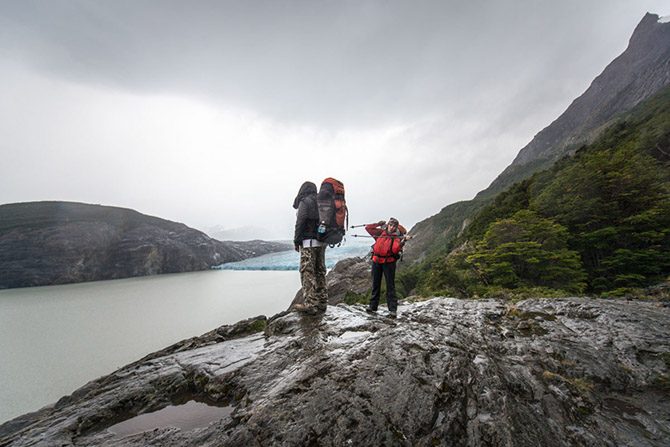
point(664, 19)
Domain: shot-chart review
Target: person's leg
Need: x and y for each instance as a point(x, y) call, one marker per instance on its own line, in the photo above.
point(377, 270)
point(389, 274)
point(320, 273)
point(308, 276)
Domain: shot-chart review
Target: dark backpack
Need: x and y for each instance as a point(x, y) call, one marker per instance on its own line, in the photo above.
point(333, 213)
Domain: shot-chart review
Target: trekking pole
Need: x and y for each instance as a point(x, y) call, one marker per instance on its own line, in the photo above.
point(406, 237)
point(359, 226)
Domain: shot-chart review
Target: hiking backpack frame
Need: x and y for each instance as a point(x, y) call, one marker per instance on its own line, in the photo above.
point(333, 212)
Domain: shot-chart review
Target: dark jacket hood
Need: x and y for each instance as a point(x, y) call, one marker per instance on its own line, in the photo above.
point(307, 188)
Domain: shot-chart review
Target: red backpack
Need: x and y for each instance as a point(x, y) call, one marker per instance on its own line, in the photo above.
point(333, 213)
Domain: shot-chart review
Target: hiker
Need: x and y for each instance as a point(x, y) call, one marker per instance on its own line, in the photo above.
point(389, 241)
point(312, 251)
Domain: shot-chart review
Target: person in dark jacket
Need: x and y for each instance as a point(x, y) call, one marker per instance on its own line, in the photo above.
point(312, 251)
point(389, 241)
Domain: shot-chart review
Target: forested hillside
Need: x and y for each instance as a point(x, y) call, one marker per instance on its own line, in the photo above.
point(597, 222)
point(639, 73)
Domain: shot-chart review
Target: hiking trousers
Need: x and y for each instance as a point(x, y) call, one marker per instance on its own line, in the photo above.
point(388, 271)
point(313, 277)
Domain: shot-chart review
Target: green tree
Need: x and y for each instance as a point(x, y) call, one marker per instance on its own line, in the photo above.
point(452, 275)
point(610, 200)
point(527, 250)
point(616, 205)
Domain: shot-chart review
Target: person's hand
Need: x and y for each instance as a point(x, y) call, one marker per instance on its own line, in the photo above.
point(381, 222)
point(296, 247)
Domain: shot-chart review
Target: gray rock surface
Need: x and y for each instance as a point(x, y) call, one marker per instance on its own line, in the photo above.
point(447, 372)
point(43, 243)
point(348, 275)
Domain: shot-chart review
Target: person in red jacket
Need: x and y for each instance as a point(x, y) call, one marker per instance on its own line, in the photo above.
point(389, 241)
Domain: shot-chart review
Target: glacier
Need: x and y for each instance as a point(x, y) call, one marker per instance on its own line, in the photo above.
point(290, 260)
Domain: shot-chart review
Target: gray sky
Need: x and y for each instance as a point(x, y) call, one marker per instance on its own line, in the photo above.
point(214, 113)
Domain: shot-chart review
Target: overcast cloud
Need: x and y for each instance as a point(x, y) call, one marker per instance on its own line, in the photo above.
point(214, 113)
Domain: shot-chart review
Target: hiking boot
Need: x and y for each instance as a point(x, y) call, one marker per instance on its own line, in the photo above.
point(393, 314)
point(370, 310)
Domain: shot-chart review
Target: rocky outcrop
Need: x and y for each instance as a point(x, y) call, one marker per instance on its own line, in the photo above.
point(43, 243)
point(350, 275)
point(446, 372)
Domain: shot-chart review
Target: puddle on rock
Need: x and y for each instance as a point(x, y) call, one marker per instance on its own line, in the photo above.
point(186, 417)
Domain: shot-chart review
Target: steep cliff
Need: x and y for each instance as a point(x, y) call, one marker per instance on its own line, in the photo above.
point(638, 73)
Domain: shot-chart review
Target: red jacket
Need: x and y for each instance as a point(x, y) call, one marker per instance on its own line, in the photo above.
point(387, 246)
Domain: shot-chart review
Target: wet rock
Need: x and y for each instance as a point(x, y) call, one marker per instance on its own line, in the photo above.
point(446, 372)
point(349, 275)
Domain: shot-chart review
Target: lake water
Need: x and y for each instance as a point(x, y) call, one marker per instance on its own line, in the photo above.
point(55, 339)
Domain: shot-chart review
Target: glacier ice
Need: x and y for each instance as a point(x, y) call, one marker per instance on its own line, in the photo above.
point(290, 260)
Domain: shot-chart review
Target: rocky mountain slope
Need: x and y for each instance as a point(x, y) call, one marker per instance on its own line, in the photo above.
point(44, 243)
point(447, 372)
point(638, 73)
point(642, 70)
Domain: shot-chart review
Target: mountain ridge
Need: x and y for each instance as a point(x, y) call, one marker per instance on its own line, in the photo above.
point(638, 73)
point(52, 242)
